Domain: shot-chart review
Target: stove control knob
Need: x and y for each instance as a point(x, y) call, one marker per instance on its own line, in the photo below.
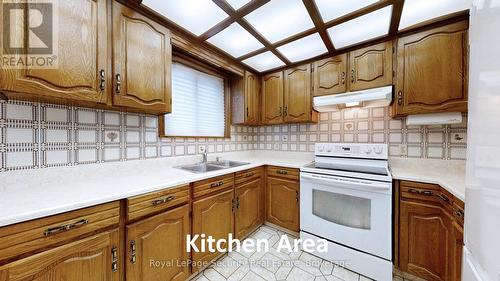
point(368, 150)
point(329, 148)
point(377, 150)
point(320, 148)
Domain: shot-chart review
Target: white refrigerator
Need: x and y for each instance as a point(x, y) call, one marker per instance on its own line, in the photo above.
point(481, 257)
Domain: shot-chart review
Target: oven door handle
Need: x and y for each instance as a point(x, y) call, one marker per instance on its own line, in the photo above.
point(352, 182)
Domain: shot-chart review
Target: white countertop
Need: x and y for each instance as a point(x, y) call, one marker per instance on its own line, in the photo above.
point(449, 174)
point(33, 194)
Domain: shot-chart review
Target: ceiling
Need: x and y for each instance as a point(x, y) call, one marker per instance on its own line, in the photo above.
point(270, 34)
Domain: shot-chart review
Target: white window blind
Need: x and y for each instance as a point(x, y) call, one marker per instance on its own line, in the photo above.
point(197, 104)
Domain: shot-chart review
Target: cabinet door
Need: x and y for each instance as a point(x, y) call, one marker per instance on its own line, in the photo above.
point(425, 235)
point(89, 259)
point(370, 67)
point(248, 207)
point(297, 100)
point(329, 76)
point(142, 62)
point(272, 98)
point(159, 238)
point(456, 248)
point(283, 203)
point(251, 99)
point(82, 69)
point(432, 71)
point(212, 216)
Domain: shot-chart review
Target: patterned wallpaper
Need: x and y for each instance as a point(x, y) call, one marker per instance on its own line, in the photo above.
point(39, 135)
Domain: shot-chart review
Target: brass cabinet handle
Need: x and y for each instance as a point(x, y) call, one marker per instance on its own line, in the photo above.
point(400, 98)
point(114, 259)
point(232, 205)
point(458, 213)
point(282, 172)
point(296, 196)
point(162, 200)
point(217, 184)
point(247, 111)
point(352, 76)
point(285, 111)
point(421, 192)
point(102, 79)
point(66, 227)
point(343, 78)
point(280, 114)
point(118, 83)
point(247, 175)
point(444, 198)
point(133, 252)
point(237, 202)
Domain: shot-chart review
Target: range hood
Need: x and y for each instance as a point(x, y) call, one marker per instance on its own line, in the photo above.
point(376, 97)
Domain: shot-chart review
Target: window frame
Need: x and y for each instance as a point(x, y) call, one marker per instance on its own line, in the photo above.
point(202, 67)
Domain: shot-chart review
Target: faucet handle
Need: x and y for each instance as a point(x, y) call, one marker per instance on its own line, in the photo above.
point(218, 159)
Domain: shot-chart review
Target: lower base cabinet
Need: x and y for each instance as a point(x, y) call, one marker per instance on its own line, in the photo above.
point(157, 247)
point(282, 207)
point(212, 216)
point(91, 259)
point(248, 208)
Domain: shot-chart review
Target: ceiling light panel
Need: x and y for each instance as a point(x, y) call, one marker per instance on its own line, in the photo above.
point(236, 4)
point(196, 16)
point(370, 26)
point(333, 9)
point(304, 48)
point(235, 40)
point(280, 19)
point(264, 61)
point(417, 11)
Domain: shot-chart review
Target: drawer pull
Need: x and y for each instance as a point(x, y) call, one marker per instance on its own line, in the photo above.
point(102, 78)
point(247, 175)
point(66, 227)
point(459, 213)
point(421, 192)
point(217, 184)
point(133, 252)
point(114, 259)
point(162, 200)
point(282, 172)
point(444, 198)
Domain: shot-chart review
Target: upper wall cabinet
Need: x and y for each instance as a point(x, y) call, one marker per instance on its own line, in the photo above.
point(297, 98)
point(245, 97)
point(142, 62)
point(272, 98)
point(81, 71)
point(329, 76)
point(370, 67)
point(432, 71)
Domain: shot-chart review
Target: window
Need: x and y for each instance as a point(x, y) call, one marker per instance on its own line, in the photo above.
point(198, 104)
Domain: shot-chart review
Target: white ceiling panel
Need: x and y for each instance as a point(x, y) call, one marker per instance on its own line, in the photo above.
point(235, 40)
point(370, 26)
point(417, 11)
point(304, 48)
point(236, 4)
point(280, 19)
point(197, 16)
point(264, 61)
point(333, 9)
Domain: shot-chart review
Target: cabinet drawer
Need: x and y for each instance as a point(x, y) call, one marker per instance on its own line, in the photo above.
point(282, 172)
point(32, 236)
point(143, 205)
point(204, 187)
point(426, 192)
point(247, 175)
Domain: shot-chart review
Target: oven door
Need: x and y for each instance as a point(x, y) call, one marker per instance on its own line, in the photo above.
point(351, 212)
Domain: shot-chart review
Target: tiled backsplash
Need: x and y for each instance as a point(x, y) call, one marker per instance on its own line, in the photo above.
point(38, 135)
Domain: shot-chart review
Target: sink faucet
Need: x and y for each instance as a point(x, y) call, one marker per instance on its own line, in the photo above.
point(204, 157)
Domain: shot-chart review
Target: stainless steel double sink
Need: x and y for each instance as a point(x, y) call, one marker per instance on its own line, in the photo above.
point(211, 166)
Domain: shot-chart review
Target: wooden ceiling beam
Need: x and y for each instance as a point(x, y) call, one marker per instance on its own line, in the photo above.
point(313, 11)
point(397, 11)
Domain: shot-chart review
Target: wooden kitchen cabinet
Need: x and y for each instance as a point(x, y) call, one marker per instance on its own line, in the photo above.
point(370, 67)
point(282, 206)
point(82, 71)
point(212, 216)
point(90, 259)
point(248, 207)
point(272, 98)
point(297, 96)
point(245, 99)
point(329, 76)
point(142, 62)
point(159, 238)
point(430, 232)
point(432, 69)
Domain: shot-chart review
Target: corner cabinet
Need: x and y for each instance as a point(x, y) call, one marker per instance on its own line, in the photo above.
point(329, 76)
point(370, 67)
point(142, 62)
point(245, 99)
point(272, 98)
point(432, 69)
point(297, 97)
point(83, 71)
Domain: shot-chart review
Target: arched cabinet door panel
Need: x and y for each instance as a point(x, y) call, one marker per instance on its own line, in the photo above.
point(370, 67)
point(272, 98)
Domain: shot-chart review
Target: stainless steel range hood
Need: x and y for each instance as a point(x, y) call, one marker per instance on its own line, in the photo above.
point(376, 97)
